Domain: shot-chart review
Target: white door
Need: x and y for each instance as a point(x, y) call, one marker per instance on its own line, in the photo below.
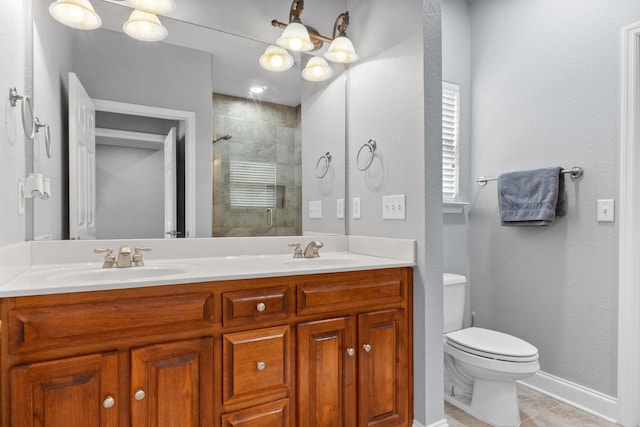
point(82, 162)
point(170, 226)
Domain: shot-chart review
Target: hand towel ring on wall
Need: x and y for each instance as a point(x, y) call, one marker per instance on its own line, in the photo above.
point(371, 145)
point(29, 130)
point(322, 166)
point(47, 135)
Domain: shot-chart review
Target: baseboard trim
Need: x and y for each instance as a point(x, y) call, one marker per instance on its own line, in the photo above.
point(441, 423)
point(586, 399)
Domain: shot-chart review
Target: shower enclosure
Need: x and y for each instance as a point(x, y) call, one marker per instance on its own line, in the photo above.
point(257, 177)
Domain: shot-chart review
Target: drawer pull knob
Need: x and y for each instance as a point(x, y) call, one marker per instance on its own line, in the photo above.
point(139, 395)
point(351, 351)
point(261, 365)
point(261, 306)
point(109, 402)
point(367, 347)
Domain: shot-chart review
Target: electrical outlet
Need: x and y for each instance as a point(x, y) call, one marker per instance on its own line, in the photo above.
point(393, 207)
point(357, 208)
point(315, 209)
point(340, 208)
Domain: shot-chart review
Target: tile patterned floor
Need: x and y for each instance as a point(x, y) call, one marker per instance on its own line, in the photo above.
point(536, 410)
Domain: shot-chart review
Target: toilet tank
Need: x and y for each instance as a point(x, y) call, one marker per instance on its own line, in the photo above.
point(453, 299)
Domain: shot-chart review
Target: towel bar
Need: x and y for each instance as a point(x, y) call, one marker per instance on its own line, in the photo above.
point(575, 172)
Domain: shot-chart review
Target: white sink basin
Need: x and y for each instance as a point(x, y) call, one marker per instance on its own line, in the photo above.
point(98, 274)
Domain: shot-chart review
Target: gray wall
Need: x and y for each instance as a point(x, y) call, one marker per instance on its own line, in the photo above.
point(546, 92)
point(13, 16)
point(456, 68)
point(129, 192)
point(394, 96)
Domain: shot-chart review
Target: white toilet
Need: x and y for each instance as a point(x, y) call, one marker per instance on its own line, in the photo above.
point(481, 366)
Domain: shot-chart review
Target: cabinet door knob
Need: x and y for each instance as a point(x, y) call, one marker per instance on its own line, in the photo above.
point(139, 395)
point(367, 347)
point(261, 306)
point(109, 402)
point(261, 365)
point(351, 351)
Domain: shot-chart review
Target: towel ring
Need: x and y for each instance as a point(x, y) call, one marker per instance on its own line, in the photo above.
point(371, 145)
point(323, 167)
point(47, 135)
point(14, 97)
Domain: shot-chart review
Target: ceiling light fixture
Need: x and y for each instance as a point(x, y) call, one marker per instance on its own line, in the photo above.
point(157, 7)
point(145, 27)
point(302, 38)
point(77, 14)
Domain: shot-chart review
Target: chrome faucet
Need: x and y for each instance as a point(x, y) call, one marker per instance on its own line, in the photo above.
point(311, 251)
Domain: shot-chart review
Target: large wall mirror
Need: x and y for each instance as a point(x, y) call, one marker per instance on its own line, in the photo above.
point(183, 148)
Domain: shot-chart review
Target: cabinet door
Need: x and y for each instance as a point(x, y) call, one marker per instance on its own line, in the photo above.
point(172, 384)
point(326, 373)
point(74, 392)
point(383, 369)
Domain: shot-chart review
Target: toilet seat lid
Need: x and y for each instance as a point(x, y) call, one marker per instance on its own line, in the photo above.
point(492, 344)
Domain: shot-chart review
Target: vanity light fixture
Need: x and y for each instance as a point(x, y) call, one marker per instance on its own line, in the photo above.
point(157, 7)
point(77, 14)
point(276, 59)
point(145, 27)
point(302, 38)
point(317, 70)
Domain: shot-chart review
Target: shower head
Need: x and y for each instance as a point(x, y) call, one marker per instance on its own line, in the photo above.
point(221, 138)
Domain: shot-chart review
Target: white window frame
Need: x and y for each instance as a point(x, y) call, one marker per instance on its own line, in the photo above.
point(450, 142)
point(252, 184)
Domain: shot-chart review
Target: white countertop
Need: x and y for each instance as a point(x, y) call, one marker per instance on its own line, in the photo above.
point(37, 277)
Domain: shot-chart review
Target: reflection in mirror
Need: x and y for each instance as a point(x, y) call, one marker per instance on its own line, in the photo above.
point(258, 137)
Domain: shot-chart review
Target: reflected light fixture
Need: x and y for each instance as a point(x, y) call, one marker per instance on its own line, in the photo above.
point(341, 49)
point(276, 59)
point(145, 27)
point(317, 70)
point(157, 7)
point(77, 14)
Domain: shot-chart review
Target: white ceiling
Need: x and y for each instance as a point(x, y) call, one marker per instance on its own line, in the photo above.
point(236, 33)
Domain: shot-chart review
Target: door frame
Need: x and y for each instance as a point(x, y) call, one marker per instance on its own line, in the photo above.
point(189, 120)
point(629, 234)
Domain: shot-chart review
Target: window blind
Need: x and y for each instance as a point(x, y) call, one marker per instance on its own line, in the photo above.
point(450, 126)
point(252, 184)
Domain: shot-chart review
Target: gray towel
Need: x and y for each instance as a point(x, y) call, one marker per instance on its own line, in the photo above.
point(532, 197)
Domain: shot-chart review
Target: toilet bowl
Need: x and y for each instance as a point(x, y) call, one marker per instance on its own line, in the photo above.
point(481, 365)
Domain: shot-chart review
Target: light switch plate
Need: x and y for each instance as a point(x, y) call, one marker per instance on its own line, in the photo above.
point(340, 208)
point(606, 210)
point(315, 209)
point(357, 208)
point(393, 207)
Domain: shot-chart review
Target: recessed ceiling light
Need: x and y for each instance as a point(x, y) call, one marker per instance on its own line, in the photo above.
point(256, 89)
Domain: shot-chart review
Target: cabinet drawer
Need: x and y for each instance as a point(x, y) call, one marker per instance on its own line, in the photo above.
point(98, 322)
point(273, 414)
point(242, 307)
point(351, 291)
point(255, 363)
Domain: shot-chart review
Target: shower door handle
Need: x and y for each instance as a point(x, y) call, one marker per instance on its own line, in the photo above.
point(269, 218)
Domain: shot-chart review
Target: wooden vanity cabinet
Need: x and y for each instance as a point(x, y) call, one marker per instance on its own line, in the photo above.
point(316, 350)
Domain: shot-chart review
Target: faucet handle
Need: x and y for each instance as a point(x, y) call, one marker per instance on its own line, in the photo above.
point(109, 258)
point(136, 260)
point(297, 252)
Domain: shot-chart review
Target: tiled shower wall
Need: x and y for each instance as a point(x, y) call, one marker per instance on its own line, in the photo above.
point(265, 133)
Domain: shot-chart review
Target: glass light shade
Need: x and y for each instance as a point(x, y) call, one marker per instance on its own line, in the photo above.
point(317, 70)
point(276, 58)
point(157, 7)
point(295, 37)
point(341, 50)
point(75, 14)
point(145, 27)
